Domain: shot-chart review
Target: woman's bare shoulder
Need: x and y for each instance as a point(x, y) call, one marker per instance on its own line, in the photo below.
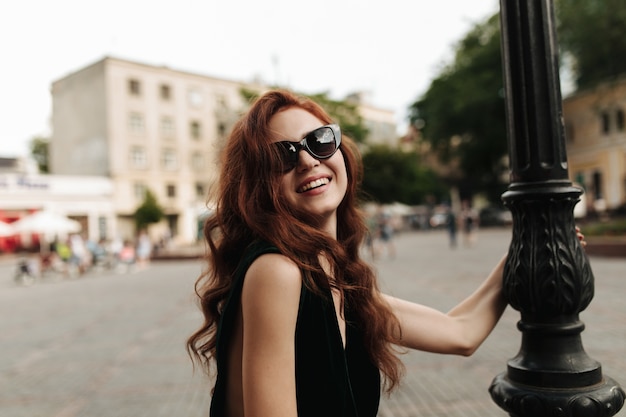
point(273, 277)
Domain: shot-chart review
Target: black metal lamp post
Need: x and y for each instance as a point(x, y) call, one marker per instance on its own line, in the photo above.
point(547, 276)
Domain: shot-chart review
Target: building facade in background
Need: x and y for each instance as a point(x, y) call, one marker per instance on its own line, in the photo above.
point(153, 128)
point(145, 128)
point(380, 123)
point(595, 128)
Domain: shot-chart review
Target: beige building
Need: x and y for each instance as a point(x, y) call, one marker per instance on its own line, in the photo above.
point(380, 123)
point(154, 128)
point(596, 144)
point(146, 128)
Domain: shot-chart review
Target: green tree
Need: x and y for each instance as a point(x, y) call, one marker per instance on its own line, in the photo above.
point(148, 212)
point(391, 175)
point(39, 150)
point(344, 112)
point(462, 113)
point(593, 34)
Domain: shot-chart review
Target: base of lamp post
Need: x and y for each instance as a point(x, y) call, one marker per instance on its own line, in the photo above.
point(604, 399)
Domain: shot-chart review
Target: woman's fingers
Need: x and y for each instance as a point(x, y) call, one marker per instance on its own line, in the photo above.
point(581, 237)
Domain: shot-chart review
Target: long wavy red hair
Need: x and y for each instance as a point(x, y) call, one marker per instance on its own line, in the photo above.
point(249, 207)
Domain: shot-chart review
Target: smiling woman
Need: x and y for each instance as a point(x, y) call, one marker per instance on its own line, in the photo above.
point(314, 181)
point(294, 319)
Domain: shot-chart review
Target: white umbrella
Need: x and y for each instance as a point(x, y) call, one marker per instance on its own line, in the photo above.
point(47, 223)
point(6, 229)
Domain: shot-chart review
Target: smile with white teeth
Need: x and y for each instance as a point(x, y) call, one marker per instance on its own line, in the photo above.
point(313, 184)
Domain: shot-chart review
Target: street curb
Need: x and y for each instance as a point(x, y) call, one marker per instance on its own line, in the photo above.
point(606, 249)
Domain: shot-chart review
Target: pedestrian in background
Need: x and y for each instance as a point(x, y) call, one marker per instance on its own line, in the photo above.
point(372, 235)
point(144, 249)
point(80, 257)
point(451, 225)
point(470, 223)
point(295, 324)
point(126, 257)
point(386, 232)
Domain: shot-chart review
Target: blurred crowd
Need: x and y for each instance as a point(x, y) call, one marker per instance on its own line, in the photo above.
point(75, 255)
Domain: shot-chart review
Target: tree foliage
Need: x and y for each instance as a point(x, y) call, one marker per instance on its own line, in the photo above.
point(39, 150)
point(462, 114)
point(593, 34)
point(344, 112)
point(392, 175)
point(148, 212)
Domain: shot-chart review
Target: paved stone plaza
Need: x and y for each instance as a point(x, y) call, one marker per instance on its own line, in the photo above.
point(112, 344)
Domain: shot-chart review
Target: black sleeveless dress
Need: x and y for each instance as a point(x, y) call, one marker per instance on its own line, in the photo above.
point(330, 381)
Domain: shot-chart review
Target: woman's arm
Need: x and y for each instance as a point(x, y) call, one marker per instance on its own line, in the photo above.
point(462, 329)
point(270, 300)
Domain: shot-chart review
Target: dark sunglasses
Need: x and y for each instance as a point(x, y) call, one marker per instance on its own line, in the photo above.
point(321, 143)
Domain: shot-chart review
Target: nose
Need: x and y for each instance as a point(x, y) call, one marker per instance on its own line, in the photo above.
point(306, 161)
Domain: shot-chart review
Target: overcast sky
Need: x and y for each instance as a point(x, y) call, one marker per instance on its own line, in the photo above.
point(391, 49)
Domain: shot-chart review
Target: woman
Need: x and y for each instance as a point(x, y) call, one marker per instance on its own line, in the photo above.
point(293, 316)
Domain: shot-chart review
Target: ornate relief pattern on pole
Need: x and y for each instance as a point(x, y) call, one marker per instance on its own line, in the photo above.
point(548, 272)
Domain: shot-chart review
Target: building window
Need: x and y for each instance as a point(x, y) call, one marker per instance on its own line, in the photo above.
point(197, 161)
point(194, 128)
point(170, 160)
point(134, 87)
point(221, 129)
point(168, 130)
point(165, 92)
point(102, 227)
point(597, 185)
point(579, 179)
point(606, 122)
point(200, 190)
point(138, 157)
point(140, 189)
point(170, 190)
point(195, 98)
point(136, 123)
point(619, 120)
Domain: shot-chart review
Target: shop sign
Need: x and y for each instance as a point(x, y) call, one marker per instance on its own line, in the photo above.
point(23, 182)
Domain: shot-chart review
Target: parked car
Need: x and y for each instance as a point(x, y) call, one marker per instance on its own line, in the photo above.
point(438, 220)
point(495, 216)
